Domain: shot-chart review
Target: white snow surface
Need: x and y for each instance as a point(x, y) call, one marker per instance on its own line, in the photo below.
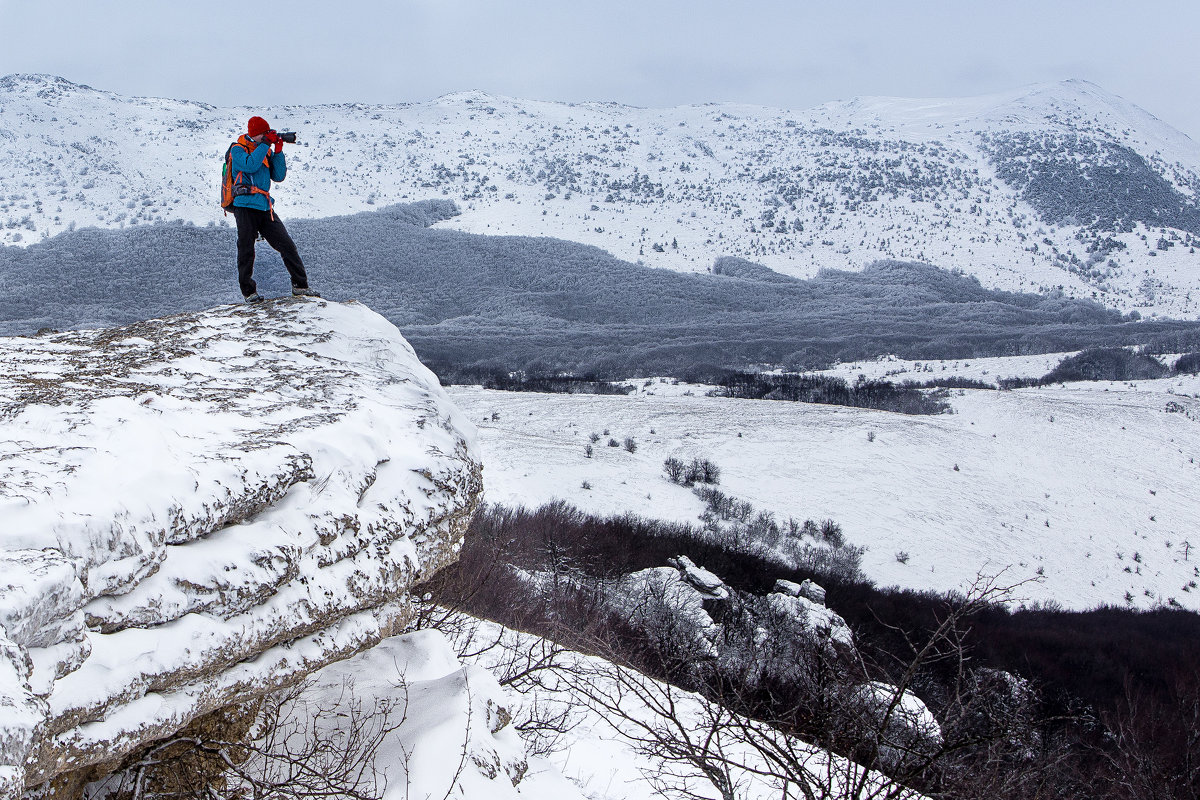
point(989, 370)
point(1085, 489)
point(455, 740)
point(201, 507)
point(837, 186)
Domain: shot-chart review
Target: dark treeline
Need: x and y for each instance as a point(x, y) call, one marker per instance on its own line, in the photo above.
point(806, 388)
point(558, 384)
point(953, 382)
point(1106, 364)
point(474, 305)
point(1095, 672)
point(878, 394)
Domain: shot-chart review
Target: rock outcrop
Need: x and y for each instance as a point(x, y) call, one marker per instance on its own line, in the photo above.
point(198, 509)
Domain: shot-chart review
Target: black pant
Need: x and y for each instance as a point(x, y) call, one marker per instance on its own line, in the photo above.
point(250, 223)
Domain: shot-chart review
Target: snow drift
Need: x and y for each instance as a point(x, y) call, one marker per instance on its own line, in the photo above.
point(201, 508)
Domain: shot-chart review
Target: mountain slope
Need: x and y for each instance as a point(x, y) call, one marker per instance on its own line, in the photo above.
point(1060, 185)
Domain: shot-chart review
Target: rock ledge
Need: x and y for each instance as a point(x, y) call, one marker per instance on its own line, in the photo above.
point(201, 508)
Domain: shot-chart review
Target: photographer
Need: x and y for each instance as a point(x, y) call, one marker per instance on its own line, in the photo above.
point(256, 160)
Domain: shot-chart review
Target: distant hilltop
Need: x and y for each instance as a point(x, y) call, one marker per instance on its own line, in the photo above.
point(1058, 187)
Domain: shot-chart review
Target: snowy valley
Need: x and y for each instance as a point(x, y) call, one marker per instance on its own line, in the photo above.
point(251, 544)
point(1086, 489)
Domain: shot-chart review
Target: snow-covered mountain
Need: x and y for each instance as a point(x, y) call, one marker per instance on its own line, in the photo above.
point(1054, 186)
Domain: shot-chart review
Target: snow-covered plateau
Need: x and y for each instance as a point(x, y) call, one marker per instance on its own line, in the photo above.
point(1052, 187)
point(202, 508)
point(1087, 490)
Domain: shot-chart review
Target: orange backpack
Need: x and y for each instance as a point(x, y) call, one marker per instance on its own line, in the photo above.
point(236, 185)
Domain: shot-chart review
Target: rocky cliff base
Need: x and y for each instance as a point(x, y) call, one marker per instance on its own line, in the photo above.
point(202, 508)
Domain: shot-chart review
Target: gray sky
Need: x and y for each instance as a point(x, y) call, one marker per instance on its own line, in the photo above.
point(643, 52)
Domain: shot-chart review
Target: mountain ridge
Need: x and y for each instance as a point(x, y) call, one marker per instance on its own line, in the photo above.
point(842, 185)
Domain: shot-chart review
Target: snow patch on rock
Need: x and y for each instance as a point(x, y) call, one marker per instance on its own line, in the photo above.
point(662, 601)
point(813, 618)
point(706, 583)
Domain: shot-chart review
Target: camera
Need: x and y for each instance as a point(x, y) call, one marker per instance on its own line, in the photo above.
point(287, 136)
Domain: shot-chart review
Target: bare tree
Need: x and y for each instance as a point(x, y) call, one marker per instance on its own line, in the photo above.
point(295, 746)
point(1153, 748)
point(528, 665)
point(854, 739)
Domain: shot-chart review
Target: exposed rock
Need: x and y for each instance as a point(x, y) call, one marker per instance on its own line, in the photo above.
point(202, 508)
point(706, 583)
point(809, 620)
point(902, 725)
point(786, 587)
point(813, 592)
point(808, 590)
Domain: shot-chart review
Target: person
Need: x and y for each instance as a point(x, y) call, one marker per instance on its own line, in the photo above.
point(257, 159)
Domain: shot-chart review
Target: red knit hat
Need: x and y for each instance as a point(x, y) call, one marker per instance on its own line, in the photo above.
point(257, 126)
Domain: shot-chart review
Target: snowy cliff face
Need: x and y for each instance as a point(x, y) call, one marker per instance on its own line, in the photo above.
point(197, 509)
point(1059, 185)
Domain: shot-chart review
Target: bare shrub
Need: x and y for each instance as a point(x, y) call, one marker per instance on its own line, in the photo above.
point(832, 533)
point(842, 563)
point(1154, 742)
point(701, 470)
point(296, 746)
point(828, 745)
point(674, 469)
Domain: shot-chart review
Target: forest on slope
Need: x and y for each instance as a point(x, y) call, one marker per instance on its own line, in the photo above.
point(474, 305)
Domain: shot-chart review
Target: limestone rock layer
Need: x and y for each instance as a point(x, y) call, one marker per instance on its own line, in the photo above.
point(200, 508)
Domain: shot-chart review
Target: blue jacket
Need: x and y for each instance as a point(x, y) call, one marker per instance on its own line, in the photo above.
point(261, 166)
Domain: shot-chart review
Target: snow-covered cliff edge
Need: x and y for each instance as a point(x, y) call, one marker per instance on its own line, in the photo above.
point(198, 509)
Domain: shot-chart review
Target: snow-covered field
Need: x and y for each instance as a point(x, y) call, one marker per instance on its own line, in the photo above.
point(985, 370)
point(1089, 488)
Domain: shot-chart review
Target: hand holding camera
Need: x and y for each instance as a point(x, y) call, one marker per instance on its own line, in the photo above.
point(277, 139)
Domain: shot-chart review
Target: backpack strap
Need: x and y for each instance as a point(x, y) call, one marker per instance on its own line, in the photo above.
point(242, 189)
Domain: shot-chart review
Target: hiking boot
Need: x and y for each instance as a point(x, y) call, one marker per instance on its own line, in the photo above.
point(254, 298)
point(303, 291)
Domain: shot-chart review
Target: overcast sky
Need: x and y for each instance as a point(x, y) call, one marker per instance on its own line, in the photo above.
point(643, 52)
